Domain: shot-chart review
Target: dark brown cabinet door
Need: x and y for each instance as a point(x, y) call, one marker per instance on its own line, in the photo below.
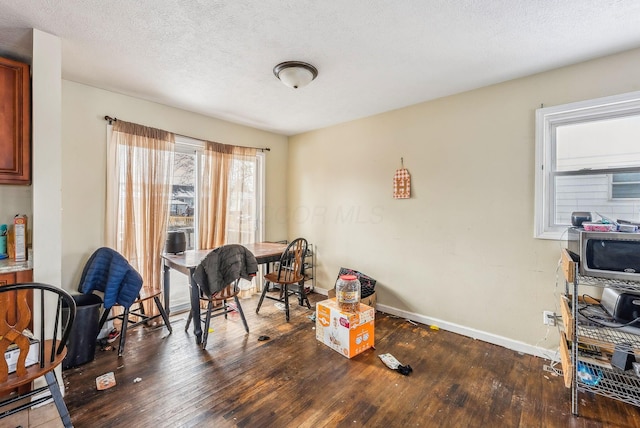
point(16, 278)
point(15, 138)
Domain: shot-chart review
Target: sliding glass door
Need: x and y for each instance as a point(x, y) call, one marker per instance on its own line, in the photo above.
point(244, 207)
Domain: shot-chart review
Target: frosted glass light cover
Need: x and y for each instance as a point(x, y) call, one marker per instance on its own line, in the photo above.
point(295, 77)
point(295, 74)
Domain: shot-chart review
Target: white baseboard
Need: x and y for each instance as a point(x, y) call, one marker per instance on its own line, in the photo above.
point(505, 342)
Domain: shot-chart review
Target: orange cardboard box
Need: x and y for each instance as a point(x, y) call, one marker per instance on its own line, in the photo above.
point(347, 333)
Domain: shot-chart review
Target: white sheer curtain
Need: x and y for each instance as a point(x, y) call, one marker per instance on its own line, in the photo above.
point(242, 205)
point(139, 175)
point(227, 210)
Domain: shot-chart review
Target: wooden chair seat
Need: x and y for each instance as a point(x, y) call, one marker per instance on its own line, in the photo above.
point(35, 371)
point(275, 278)
point(146, 294)
point(226, 293)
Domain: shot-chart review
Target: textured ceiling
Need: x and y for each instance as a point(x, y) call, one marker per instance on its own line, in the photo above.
point(216, 57)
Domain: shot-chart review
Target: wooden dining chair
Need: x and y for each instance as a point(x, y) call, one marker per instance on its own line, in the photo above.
point(109, 272)
point(217, 305)
point(289, 275)
point(217, 278)
point(34, 355)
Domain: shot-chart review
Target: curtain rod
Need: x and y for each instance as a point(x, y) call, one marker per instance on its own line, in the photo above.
point(114, 119)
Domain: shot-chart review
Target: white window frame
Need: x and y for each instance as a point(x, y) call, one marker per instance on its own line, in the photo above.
point(547, 119)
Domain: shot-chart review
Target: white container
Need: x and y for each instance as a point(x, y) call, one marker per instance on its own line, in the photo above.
point(348, 293)
point(629, 228)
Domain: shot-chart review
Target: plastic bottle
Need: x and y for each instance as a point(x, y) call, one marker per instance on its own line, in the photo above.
point(348, 293)
point(588, 375)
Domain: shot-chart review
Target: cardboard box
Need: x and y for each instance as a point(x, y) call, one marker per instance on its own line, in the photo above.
point(347, 333)
point(20, 237)
point(369, 300)
point(12, 354)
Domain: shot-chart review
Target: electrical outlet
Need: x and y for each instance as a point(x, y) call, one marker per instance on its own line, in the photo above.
point(548, 318)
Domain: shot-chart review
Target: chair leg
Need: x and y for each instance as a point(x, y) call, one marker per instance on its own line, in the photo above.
point(186, 327)
point(264, 291)
point(143, 313)
point(103, 318)
point(163, 313)
point(52, 382)
point(244, 320)
point(285, 287)
point(207, 323)
point(123, 332)
point(303, 295)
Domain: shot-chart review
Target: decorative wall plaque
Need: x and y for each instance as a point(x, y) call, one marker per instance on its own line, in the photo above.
point(402, 183)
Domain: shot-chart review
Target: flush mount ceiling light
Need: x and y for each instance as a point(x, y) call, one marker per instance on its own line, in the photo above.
point(295, 74)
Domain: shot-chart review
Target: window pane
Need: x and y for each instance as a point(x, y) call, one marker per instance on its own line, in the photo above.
point(608, 143)
point(242, 208)
point(625, 191)
point(590, 193)
point(579, 193)
point(181, 214)
point(625, 186)
point(626, 177)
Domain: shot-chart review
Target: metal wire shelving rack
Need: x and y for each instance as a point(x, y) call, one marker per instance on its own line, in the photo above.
point(583, 373)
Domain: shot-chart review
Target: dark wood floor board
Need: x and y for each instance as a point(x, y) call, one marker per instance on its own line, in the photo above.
point(292, 380)
point(238, 371)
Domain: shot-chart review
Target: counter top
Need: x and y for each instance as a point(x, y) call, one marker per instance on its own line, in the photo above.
point(10, 265)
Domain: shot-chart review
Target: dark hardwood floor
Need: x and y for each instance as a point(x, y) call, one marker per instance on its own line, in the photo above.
point(292, 380)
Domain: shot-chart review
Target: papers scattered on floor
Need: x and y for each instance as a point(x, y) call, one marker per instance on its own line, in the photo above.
point(105, 381)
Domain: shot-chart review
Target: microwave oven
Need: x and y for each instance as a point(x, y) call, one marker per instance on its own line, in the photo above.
point(612, 255)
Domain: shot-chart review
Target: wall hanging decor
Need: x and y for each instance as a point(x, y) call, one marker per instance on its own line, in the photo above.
point(402, 183)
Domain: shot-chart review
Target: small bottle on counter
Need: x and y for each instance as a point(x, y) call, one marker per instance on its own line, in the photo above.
point(20, 237)
point(3, 241)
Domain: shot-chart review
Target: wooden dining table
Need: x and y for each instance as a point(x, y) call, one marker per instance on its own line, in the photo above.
point(187, 261)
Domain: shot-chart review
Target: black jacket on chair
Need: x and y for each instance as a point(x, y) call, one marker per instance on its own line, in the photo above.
point(224, 265)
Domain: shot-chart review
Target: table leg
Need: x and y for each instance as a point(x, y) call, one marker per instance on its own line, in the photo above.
point(167, 289)
point(195, 308)
point(267, 268)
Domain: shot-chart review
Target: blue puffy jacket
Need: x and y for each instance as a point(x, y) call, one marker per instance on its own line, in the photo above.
point(108, 271)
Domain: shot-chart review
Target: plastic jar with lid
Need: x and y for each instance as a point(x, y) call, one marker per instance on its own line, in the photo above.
point(348, 293)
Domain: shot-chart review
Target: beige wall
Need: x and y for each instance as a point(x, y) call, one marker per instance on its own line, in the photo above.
point(84, 163)
point(16, 200)
point(460, 251)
